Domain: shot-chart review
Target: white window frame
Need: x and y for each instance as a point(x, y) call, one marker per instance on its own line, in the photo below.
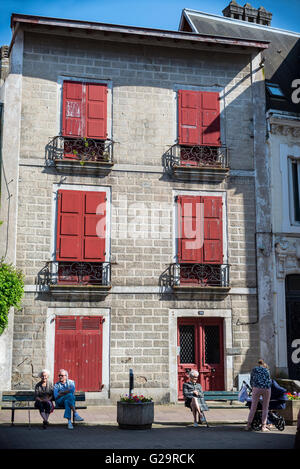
point(191, 193)
point(291, 160)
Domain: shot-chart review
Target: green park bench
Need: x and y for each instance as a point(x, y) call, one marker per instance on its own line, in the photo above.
point(218, 396)
point(24, 400)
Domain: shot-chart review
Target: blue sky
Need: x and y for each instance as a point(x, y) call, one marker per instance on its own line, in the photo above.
point(160, 14)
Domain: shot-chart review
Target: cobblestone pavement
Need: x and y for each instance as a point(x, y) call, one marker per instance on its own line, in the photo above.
point(172, 429)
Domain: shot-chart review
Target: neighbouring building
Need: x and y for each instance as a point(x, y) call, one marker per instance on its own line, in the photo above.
point(133, 169)
point(278, 217)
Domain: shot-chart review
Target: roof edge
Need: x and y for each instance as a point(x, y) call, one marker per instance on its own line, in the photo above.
point(134, 30)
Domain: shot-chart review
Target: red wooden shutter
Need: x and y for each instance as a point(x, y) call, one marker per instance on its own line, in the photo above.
point(84, 110)
point(190, 229)
point(78, 349)
point(96, 111)
point(73, 121)
point(210, 122)
point(69, 216)
point(188, 117)
point(198, 118)
point(81, 227)
point(200, 230)
point(65, 346)
point(213, 230)
point(94, 227)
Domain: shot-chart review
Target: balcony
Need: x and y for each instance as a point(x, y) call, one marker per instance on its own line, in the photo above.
point(80, 155)
point(197, 281)
point(75, 280)
point(197, 163)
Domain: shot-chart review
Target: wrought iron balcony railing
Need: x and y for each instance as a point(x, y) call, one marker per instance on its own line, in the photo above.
point(196, 157)
point(75, 273)
point(80, 149)
point(197, 275)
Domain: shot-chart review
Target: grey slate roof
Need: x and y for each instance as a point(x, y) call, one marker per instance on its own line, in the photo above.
point(282, 58)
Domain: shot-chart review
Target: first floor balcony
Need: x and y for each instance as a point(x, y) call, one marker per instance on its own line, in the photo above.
point(80, 155)
point(204, 280)
point(197, 163)
point(76, 279)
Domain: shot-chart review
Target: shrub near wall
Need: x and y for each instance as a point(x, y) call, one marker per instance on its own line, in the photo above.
point(11, 291)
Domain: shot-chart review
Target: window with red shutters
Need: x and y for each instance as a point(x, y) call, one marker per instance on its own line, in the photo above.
point(84, 110)
point(200, 238)
point(198, 118)
point(80, 238)
point(200, 229)
point(81, 226)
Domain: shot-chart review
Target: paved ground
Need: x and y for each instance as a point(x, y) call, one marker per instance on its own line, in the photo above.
point(172, 429)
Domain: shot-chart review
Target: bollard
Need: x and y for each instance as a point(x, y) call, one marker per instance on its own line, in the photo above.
point(131, 381)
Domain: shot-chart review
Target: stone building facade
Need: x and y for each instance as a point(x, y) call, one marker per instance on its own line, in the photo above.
point(148, 316)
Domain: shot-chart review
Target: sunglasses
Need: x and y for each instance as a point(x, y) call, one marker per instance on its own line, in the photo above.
point(61, 375)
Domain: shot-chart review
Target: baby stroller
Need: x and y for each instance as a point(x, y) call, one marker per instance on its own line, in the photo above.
point(277, 401)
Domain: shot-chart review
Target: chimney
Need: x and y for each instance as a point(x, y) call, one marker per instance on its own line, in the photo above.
point(264, 16)
point(250, 13)
point(247, 13)
point(234, 10)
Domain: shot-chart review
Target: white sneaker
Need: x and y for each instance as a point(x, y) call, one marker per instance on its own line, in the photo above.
point(77, 418)
point(195, 424)
point(70, 425)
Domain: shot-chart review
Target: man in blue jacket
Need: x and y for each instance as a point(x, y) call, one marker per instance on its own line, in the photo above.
point(63, 392)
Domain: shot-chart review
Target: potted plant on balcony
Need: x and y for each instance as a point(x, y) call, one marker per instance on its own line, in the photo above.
point(290, 413)
point(135, 412)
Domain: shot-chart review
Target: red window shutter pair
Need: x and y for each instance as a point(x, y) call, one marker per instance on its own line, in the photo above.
point(199, 118)
point(84, 110)
point(81, 224)
point(200, 230)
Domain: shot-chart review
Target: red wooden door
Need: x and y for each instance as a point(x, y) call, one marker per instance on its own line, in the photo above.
point(78, 349)
point(201, 349)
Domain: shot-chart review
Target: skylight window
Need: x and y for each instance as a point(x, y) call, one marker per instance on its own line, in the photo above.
point(274, 90)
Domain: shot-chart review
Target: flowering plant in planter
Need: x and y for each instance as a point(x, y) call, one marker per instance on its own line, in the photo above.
point(294, 396)
point(135, 399)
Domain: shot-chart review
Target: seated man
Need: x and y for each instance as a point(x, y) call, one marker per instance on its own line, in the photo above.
point(64, 391)
point(194, 397)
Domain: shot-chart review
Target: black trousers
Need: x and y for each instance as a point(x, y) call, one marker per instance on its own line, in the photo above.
point(43, 406)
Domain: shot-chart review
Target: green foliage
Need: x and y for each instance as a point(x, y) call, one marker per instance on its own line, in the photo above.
point(11, 291)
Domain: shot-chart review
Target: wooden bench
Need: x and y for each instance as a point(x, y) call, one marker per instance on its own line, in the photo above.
point(216, 396)
point(19, 399)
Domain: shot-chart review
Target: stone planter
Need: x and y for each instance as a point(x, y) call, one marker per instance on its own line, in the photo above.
point(135, 416)
point(290, 413)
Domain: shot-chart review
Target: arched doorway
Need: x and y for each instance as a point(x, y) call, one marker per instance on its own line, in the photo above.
point(293, 325)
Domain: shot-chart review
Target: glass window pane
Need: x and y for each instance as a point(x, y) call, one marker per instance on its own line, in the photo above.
point(212, 344)
point(295, 190)
point(187, 344)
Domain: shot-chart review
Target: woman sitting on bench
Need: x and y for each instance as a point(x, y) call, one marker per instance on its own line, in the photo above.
point(194, 398)
point(43, 395)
